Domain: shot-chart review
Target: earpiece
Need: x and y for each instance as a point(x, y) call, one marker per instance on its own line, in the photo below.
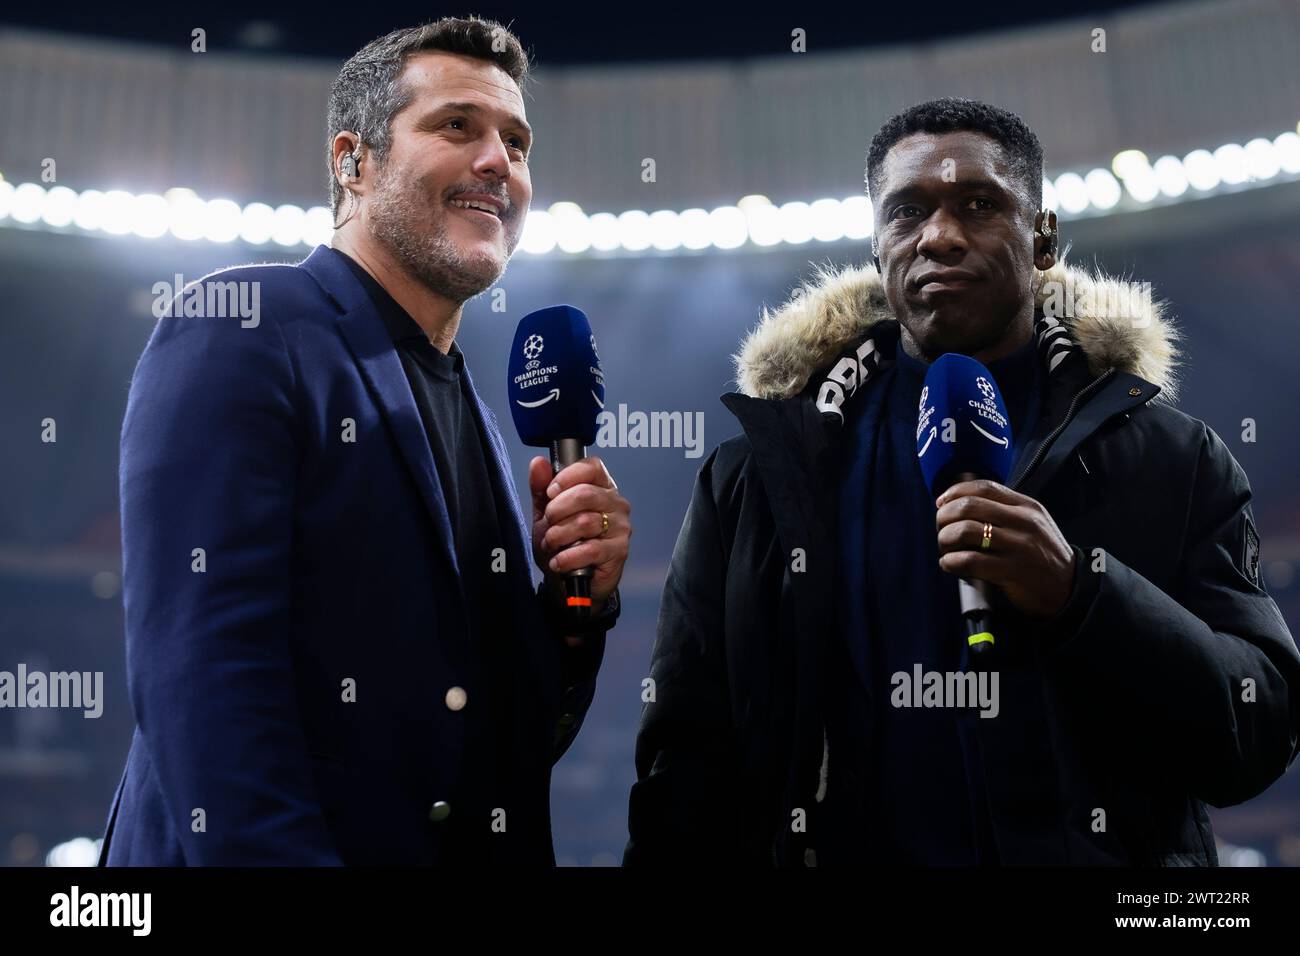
point(348, 166)
point(875, 255)
point(1047, 232)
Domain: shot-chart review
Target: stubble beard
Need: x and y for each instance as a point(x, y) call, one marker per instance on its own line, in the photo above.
point(415, 232)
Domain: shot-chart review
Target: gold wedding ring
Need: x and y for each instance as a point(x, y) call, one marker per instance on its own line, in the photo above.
point(604, 523)
point(988, 537)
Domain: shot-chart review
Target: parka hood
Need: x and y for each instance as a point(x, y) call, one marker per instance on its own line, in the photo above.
point(1115, 323)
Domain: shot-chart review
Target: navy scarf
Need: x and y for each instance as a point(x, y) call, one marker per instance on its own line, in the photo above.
point(898, 608)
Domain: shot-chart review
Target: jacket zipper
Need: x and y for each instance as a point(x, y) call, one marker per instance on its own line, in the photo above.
point(1056, 432)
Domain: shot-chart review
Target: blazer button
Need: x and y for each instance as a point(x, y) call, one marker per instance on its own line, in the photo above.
point(456, 698)
point(440, 811)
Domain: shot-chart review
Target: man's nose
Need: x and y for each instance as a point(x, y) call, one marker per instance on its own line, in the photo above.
point(492, 160)
point(941, 237)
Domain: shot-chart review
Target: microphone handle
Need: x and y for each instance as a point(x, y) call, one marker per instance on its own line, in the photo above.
point(976, 608)
point(577, 583)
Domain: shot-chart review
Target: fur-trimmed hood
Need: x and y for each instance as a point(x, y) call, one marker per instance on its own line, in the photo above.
point(834, 309)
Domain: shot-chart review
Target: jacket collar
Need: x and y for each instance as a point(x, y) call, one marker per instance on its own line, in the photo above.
point(822, 347)
point(837, 309)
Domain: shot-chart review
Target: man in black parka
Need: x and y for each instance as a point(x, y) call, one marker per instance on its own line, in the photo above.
point(1143, 671)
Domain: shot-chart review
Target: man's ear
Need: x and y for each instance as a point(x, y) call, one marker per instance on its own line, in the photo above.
point(1046, 239)
point(347, 146)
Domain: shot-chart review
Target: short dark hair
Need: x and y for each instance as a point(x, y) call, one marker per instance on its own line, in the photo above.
point(366, 94)
point(950, 115)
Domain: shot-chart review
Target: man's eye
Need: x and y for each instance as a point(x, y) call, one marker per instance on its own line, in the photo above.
point(988, 203)
point(454, 122)
point(899, 211)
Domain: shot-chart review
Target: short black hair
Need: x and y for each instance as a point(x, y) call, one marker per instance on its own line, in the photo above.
point(367, 94)
point(950, 115)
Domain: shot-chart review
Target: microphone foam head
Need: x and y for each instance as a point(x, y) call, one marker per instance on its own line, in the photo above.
point(555, 383)
point(962, 424)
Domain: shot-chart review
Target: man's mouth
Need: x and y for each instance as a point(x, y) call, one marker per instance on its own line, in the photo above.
point(480, 206)
point(945, 280)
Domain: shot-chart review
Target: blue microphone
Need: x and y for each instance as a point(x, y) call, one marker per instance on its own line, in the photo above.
point(963, 432)
point(556, 390)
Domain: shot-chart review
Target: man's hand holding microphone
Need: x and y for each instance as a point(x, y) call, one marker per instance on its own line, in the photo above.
point(581, 524)
point(579, 520)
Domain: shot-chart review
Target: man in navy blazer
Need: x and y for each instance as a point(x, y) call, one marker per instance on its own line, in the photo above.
point(336, 653)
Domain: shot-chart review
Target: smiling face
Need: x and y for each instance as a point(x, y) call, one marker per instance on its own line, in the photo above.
point(955, 235)
point(462, 142)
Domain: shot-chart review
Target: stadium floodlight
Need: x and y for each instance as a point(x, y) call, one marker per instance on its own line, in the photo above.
point(1202, 171)
point(28, 200)
point(857, 218)
point(221, 220)
point(119, 206)
point(1288, 152)
point(150, 216)
point(762, 220)
point(1171, 176)
point(318, 226)
point(604, 231)
point(286, 227)
point(1103, 188)
point(694, 224)
point(187, 213)
point(60, 204)
point(1131, 182)
point(727, 227)
point(78, 852)
point(1261, 159)
point(1232, 163)
point(827, 224)
point(1072, 192)
point(634, 230)
point(572, 234)
point(665, 230)
point(539, 233)
point(796, 223)
point(256, 223)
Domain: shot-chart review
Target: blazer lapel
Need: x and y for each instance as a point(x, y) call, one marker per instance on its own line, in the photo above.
point(504, 489)
point(371, 346)
point(542, 647)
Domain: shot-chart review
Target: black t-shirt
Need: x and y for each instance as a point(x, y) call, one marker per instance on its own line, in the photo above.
point(459, 454)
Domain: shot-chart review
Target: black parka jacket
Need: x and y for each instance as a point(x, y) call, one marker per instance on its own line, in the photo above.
point(1168, 682)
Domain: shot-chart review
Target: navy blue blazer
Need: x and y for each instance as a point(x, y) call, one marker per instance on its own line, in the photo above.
point(290, 679)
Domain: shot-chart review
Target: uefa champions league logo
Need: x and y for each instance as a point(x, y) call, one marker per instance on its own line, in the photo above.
point(988, 408)
point(533, 347)
point(593, 347)
point(925, 394)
